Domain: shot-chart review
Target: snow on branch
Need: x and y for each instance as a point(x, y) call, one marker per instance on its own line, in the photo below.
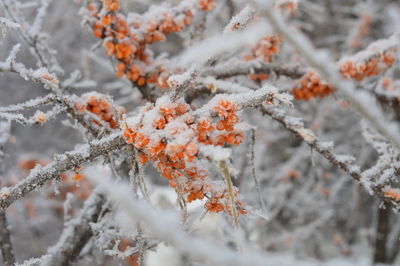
point(377, 47)
point(6, 245)
point(241, 20)
point(7, 24)
point(166, 226)
point(252, 67)
point(38, 118)
point(215, 46)
point(76, 233)
point(249, 99)
point(344, 162)
point(32, 103)
point(31, 33)
point(36, 27)
point(69, 160)
point(361, 101)
point(39, 75)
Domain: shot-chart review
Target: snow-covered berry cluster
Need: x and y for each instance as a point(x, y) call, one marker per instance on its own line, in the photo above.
point(127, 40)
point(172, 136)
point(264, 50)
point(373, 66)
point(99, 105)
point(311, 86)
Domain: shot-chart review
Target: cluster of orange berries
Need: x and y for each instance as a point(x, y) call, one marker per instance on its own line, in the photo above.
point(264, 49)
point(170, 136)
point(393, 194)
point(310, 86)
point(99, 105)
point(128, 43)
point(367, 68)
point(206, 5)
point(290, 5)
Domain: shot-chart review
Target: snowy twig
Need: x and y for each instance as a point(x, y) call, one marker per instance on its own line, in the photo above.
point(32, 103)
point(31, 35)
point(38, 117)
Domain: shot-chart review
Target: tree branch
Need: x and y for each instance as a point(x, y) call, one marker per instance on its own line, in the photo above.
point(67, 161)
point(5, 241)
point(362, 102)
point(76, 233)
point(324, 149)
point(245, 68)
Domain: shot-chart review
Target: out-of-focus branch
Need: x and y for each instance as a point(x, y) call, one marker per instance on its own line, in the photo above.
point(76, 233)
point(325, 149)
point(245, 68)
point(167, 227)
point(67, 161)
point(363, 103)
point(32, 35)
point(5, 239)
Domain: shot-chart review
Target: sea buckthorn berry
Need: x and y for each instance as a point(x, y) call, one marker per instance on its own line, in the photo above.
point(214, 206)
point(131, 47)
point(225, 108)
point(310, 86)
point(372, 66)
point(40, 117)
point(393, 194)
point(111, 5)
point(195, 195)
point(206, 5)
point(159, 123)
point(77, 177)
point(173, 145)
point(181, 108)
point(110, 48)
point(99, 105)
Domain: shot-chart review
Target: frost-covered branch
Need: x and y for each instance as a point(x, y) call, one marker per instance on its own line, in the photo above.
point(241, 20)
point(39, 117)
point(76, 233)
point(167, 227)
point(6, 246)
point(32, 103)
point(5, 241)
point(67, 161)
point(252, 67)
point(344, 162)
point(360, 101)
point(32, 36)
